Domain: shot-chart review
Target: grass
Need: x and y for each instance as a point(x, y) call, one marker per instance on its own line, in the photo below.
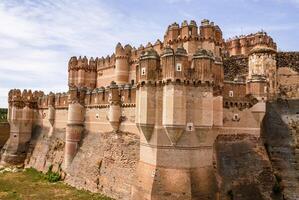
point(33, 185)
point(3, 114)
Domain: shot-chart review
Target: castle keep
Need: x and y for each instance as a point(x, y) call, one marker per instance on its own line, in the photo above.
point(171, 95)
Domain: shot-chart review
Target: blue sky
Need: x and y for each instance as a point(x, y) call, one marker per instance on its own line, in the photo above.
point(37, 37)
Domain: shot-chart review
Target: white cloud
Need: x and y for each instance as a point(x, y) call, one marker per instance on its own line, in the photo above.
point(38, 37)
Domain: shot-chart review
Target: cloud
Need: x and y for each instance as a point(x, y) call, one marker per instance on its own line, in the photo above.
point(38, 37)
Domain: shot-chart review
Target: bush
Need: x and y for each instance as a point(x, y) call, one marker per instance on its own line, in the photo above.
point(276, 188)
point(230, 194)
point(52, 176)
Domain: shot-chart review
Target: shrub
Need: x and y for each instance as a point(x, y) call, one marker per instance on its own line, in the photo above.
point(277, 189)
point(52, 176)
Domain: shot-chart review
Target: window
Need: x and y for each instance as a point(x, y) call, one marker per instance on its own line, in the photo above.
point(231, 93)
point(189, 126)
point(178, 67)
point(97, 116)
point(236, 117)
point(265, 89)
point(143, 71)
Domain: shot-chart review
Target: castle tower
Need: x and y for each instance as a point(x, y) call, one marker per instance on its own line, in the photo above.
point(121, 65)
point(174, 149)
point(262, 72)
point(91, 75)
point(114, 113)
point(72, 71)
point(146, 98)
point(75, 123)
point(51, 111)
point(174, 93)
point(21, 122)
point(82, 67)
point(243, 46)
point(172, 33)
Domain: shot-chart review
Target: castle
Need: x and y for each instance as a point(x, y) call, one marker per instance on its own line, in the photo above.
point(172, 95)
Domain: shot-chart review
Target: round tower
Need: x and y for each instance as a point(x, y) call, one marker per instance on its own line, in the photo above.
point(202, 63)
point(243, 46)
point(21, 120)
point(72, 71)
point(92, 71)
point(82, 67)
point(114, 113)
point(75, 124)
point(168, 62)
point(121, 65)
point(261, 79)
point(185, 30)
point(51, 112)
point(148, 71)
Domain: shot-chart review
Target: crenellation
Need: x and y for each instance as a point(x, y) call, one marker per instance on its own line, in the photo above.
point(243, 44)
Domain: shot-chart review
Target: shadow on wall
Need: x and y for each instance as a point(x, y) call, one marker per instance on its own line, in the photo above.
point(4, 133)
point(280, 135)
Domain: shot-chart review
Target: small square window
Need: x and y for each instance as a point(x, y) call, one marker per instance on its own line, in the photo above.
point(236, 117)
point(97, 116)
point(178, 67)
point(143, 71)
point(231, 93)
point(265, 89)
point(189, 126)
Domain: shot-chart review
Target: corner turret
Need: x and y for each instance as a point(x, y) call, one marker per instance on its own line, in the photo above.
point(121, 65)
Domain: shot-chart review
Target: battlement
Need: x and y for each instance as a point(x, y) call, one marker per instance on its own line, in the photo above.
point(173, 65)
point(57, 100)
point(20, 99)
point(207, 31)
point(241, 45)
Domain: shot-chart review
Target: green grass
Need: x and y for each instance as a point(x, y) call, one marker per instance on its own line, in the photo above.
point(3, 114)
point(33, 185)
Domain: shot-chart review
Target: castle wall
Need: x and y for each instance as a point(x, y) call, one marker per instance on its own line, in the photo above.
point(105, 76)
point(288, 82)
point(238, 90)
point(106, 163)
point(242, 121)
point(96, 120)
point(281, 137)
point(243, 168)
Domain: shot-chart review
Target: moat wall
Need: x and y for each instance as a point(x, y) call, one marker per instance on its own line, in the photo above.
point(105, 162)
point(243, 169)
point(281, 137)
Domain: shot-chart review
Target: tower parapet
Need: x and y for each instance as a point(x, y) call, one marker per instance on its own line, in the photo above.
point(21, 119)
point(262, 72)
point(243, 44)
point(75, 123)
point(121, 64)
point(82, 72)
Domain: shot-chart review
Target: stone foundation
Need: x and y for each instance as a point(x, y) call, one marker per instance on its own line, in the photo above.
point(243, 169)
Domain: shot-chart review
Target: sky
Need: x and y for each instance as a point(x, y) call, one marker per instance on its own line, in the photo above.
point(37, 37)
